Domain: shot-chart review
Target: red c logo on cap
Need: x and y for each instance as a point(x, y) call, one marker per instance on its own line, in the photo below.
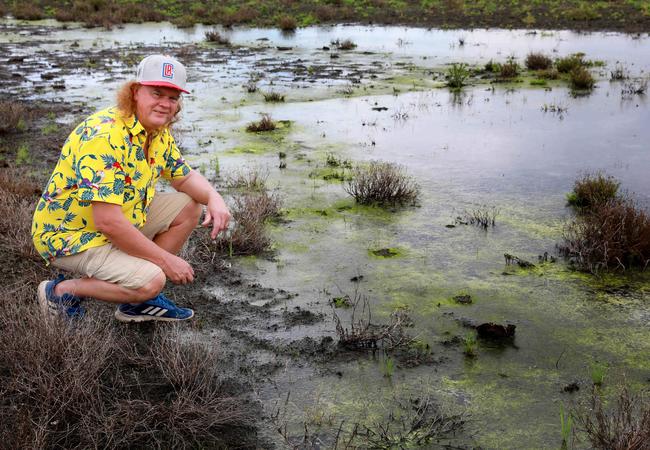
point(168, 70)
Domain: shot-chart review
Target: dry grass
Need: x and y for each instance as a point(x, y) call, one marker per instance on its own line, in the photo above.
point(273, 97)
point(568, 63)
point(14, 116)
point(362, 334)
point(265, 124)
point(625, 427)
point(93, 384)
point(346, 44)
point(287, 23)
point(383, 184)
point(538, 61)
point(509, 69)
point(247, 234)
point(251, 179)
point(593, 189)
point(20, 195)
point(611, 236)
point(581, 78)
point(28, 11)
point(216, 37)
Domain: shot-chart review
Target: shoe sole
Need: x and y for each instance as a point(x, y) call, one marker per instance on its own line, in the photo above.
point(42, 300)
point(119, 315)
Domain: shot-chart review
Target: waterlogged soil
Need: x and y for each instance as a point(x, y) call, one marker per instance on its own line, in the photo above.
point(510, 147)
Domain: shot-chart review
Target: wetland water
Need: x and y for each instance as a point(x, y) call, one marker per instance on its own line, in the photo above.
point(489, 146)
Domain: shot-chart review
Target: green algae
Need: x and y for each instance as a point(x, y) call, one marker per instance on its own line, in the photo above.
point(387, 252)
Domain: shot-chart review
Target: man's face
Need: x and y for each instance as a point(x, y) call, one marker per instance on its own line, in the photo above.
point(156, 106)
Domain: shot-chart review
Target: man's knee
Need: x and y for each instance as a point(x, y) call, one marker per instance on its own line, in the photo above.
point(152, 288)
point(194, 211)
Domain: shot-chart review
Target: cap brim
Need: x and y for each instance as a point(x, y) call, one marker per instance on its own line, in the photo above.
point(163, 84)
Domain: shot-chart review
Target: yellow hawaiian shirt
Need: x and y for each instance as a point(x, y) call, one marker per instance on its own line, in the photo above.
point(103, 160)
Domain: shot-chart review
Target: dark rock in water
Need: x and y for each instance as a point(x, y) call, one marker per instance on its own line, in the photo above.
point(463, 299)
point(450, 225)
point(379, 108)
point(571, 387)
point(326, 48)
point(356, 279)
point(384, 252)
point(284, 49)
point(495, 331)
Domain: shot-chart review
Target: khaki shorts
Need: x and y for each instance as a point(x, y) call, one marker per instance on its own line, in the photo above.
point(110, 264)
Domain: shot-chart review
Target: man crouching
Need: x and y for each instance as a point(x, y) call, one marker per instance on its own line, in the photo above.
point(100, 215)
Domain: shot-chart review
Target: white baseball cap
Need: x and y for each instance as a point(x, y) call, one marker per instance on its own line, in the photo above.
point(162, 70)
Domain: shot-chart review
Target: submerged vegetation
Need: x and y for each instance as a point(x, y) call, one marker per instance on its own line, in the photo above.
point(382, 183)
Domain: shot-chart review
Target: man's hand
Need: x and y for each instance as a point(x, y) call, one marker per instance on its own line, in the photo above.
point(217, 214)
point(177, 270)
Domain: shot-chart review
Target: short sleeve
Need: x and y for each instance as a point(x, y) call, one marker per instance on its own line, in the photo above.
point(175, 164)
point(100, 175)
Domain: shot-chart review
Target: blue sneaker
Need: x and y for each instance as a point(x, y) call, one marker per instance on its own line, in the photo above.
point(52, 304)
point(158, 308)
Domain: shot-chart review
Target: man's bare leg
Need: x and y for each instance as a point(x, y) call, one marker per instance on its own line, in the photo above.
point(171, 240)
point(180, 229)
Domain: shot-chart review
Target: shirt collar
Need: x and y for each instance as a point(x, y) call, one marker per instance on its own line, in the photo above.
point(134, 126)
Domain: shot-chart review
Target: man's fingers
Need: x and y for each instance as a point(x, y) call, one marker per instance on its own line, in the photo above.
point(208, 219)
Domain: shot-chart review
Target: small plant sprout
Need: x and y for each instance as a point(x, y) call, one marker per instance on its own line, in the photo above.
point(214, 162)
point(469, 345)
point(598, 372)
point(566, 427)
point(388, 367)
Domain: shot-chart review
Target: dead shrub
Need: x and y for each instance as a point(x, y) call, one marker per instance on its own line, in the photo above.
point(91, 384)
point(287, 23)
point(216, 37)
point(593, 189)
point(362, 334)
point(382, 183)
point(346, 44)
point(247, 234)
point(325, 13)
point(625, 427)
point(581, 78)
point(28, 11)
point(273, 97)
point(510, 69)
point(614, 235)
point(568, 63)
point(250, 180)
point(538, 61)
point(549, 74)
point(483, 217)
point(14, 117)
point(265, 124)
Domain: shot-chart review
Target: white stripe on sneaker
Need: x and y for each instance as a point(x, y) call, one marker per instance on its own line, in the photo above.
point(154, 311)
point(163, 311)
point(148, 309)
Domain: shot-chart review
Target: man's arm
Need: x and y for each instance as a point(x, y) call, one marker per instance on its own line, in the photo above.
point(196, 186)
point(110, 221)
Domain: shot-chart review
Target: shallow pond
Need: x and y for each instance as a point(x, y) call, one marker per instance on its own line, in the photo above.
point(491, 146)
